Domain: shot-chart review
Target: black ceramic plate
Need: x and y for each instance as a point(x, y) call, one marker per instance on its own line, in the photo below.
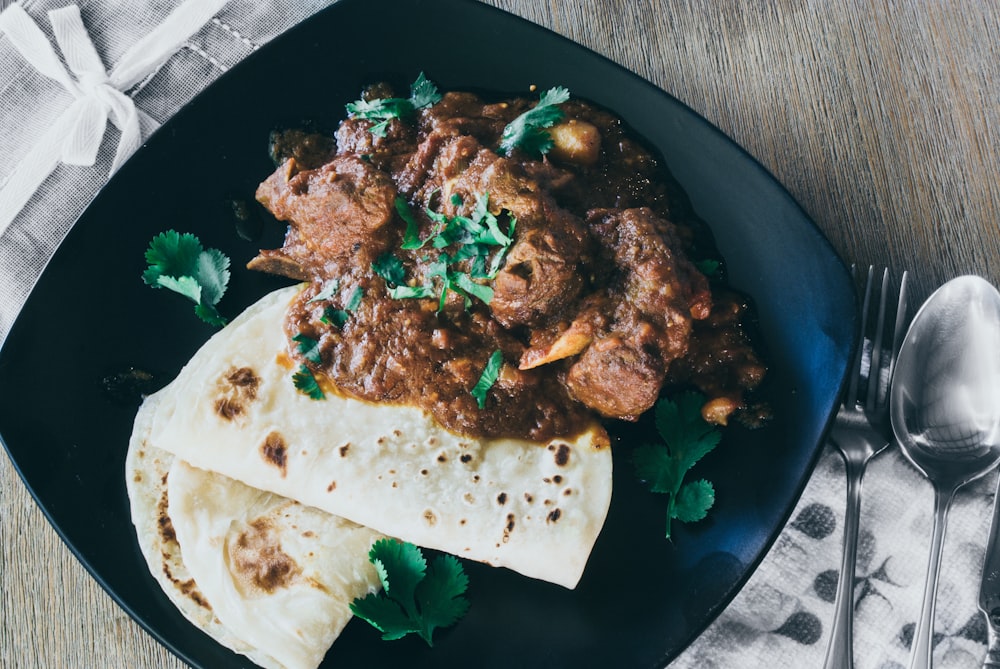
point(642, 599)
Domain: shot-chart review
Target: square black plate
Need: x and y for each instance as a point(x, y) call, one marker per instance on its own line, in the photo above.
point(642, 598)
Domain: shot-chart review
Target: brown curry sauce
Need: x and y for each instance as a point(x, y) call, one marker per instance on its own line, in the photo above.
point(596, 308)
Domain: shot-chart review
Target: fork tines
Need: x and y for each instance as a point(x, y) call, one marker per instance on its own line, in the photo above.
point(876, 355)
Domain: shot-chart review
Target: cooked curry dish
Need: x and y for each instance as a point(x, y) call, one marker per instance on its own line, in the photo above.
point(510, 290)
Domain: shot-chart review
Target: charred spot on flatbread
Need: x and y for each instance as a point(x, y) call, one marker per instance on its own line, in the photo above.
point(509, 527)
point(257, 561)
point(274, 450)
point(553, 516)
point(170, 550)
point(237, 389)
point(561, 454)
point(186, 587)
point(165, 526)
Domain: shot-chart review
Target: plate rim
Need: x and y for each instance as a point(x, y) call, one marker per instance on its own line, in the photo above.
point(190, 107)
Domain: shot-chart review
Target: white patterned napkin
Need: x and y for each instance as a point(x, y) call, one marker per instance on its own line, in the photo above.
point(32, 102)
point(780, 619)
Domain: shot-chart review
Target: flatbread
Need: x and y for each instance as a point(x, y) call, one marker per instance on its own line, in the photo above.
point(277, 573)
point(534, 508)
point(146, 473)
point(263, 575)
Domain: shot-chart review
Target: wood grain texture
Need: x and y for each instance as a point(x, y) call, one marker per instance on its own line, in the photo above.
point(880, 117)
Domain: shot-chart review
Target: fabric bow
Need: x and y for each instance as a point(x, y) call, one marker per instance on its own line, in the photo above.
point(98, 96)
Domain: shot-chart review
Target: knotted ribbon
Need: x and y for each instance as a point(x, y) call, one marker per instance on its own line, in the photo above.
point(76, 136)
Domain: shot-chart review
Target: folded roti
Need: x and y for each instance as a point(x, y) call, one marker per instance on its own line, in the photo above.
point(534, 508)
point(263, 575)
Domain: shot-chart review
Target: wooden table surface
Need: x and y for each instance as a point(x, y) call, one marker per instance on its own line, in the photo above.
point(881, 117)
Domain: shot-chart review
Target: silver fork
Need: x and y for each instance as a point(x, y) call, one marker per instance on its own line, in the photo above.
point(861, 431)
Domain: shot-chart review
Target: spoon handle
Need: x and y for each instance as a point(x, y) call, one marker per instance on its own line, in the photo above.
point(922, 646)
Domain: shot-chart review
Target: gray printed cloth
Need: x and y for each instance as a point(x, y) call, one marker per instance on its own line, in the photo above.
point(781, 618)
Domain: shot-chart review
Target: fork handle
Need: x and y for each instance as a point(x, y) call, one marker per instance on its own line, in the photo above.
point(840, 652)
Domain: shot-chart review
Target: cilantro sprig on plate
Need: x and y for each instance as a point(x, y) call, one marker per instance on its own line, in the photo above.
point(416, 597)
point(528, 131)
point(178, 262)
point(423, 93)
point(687, 438)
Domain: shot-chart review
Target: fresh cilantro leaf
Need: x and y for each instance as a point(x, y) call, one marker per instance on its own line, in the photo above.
point(694, 499)
point(335, 317)
point(473, 239)
point(709, 268)
point(686, 439)
point(209, 314)
point(501, 255)
point(654, 465)
point(308, 347)
point(480, 210)
point(423, 93)
point(407, 565)
point(687, 435)
point(213, 275)
point(385, 615)
point(445, 231)
point(488, 378)
point(380, 108)
point(187, 286)
point(328, 290)
point(464, 283)
point(411, 238)
point(380, 129)
point(390, 268)
point(332, 315)
point(178, 262)
point(439, 269)
point(354, 301)
point(410, 292)
point(489, 227)
point(173, 254)
point(440, 595)
point(527, 131)
point(305, 382)
point(416, 597)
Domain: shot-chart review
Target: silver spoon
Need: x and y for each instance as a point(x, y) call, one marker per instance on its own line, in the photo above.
point(945, 409)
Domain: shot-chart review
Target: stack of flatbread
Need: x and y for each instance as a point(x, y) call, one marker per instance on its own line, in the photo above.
point(256, 506)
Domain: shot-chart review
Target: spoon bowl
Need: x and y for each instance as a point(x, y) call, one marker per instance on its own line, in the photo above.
point(945, 409)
